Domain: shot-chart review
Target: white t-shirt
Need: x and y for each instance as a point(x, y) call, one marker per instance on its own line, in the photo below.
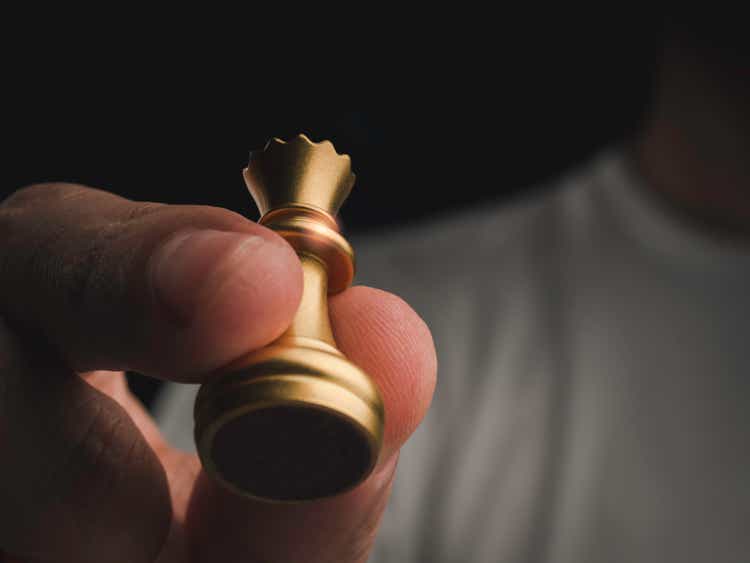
point(593, 401)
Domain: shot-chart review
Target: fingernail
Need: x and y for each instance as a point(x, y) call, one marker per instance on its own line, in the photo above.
point(186, 267)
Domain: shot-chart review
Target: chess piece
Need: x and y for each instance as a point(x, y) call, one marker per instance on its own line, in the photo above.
point(295, 420)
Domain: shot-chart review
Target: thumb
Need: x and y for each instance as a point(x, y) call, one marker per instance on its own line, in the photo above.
point(173, 291)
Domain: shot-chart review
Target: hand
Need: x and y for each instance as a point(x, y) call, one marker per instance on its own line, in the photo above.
point(92, 284)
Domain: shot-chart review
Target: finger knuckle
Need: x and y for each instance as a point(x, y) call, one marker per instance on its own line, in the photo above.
point(20, 227)
point(139, 209)
point(43, 191)
point(99, 450)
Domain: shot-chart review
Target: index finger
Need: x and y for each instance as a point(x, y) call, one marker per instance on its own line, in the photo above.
point(380, 333)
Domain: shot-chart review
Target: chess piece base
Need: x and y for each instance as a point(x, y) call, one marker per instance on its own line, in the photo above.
point(296, 422)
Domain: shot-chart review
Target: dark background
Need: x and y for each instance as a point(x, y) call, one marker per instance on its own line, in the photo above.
point(448, 131)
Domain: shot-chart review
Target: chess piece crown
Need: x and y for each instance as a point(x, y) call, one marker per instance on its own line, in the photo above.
point(296, 420)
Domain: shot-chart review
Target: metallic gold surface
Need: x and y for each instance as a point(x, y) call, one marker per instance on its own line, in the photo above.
point(296, 420)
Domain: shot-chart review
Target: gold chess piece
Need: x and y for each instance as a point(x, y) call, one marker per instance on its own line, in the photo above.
point(295, 420)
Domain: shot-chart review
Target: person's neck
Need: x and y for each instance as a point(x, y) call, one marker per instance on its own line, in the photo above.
point(694, 147)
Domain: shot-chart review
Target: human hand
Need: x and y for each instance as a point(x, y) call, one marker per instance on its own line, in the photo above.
point(92, 284)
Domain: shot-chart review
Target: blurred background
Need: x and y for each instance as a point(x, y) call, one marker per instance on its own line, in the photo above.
point(450, 129)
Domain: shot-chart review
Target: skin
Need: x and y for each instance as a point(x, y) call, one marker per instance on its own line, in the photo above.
point(693, 148)
point(92, 284)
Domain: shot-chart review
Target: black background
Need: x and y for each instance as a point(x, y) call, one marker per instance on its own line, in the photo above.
point(436, 132)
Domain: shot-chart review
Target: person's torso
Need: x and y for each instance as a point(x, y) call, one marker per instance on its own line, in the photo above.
point(591, 402)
